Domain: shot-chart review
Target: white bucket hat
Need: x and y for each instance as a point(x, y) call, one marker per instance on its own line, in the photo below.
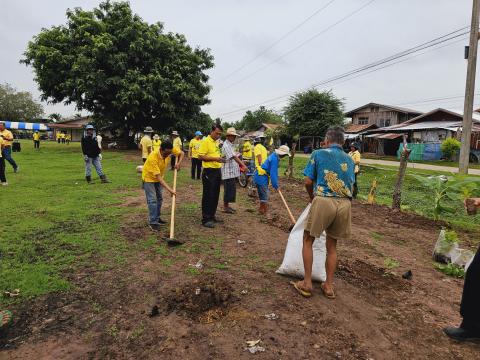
point(175, 132)
point(232, 131)
point(283, 150)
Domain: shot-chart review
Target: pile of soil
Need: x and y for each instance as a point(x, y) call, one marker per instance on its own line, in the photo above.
point(201, 298)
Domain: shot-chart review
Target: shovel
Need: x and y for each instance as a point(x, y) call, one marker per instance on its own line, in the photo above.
point(292, 218)
point(171, 240)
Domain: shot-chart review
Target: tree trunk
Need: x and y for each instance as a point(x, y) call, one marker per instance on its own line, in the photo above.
point(397, 193)
point(289, 171)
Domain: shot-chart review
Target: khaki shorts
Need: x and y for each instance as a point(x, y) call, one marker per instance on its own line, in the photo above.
point(332, 215)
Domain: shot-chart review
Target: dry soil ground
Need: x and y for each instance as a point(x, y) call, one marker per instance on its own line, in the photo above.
point(158, 305)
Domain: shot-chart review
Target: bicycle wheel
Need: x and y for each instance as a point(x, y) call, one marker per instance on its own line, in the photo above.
point(243, 180)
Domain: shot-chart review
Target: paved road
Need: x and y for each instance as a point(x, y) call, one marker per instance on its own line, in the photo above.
point(419, 166)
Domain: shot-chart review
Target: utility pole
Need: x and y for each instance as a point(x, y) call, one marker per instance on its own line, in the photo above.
point(469, 91)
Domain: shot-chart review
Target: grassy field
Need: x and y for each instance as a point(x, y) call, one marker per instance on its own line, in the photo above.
point(54, 224)
point(52, 221)
point(415, 198)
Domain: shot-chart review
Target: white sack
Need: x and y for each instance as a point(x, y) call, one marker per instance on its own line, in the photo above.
point(293, 261)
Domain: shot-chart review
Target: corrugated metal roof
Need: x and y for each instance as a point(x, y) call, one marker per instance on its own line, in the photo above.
point(390, 107)
point(388, 136)
point(355, 128)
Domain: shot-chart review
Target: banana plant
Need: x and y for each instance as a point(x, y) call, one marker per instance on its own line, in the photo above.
point(445, 188)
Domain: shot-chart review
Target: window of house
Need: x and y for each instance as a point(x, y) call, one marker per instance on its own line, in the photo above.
point(363, 121)
point(384, 122)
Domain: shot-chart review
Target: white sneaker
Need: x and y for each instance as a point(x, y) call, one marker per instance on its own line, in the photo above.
point(4, 183)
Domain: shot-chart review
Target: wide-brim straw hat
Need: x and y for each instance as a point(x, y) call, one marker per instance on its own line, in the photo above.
point(232, 131)
point(148, 129)
point(175, 133)
point(156, 137)
point(283, 150)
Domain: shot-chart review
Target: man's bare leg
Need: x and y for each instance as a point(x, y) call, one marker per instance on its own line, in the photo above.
point(307, 253)
point(330, 263)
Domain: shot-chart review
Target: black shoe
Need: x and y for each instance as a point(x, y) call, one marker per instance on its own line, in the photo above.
point(218, 221)
point(89, 179)
point(461, 334)
point(209, 224)
point(154, 227)
point(161, 222)
point(104, 179)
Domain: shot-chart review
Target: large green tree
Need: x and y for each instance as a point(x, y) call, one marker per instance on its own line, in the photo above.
point(311, 113)
point(252, 120)
point(18, 105)
point(126, 72)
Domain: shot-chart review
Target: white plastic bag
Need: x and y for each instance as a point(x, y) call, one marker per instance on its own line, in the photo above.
point(293, 261)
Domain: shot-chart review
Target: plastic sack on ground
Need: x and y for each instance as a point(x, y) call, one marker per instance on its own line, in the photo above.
point(293, 261)
point(448, 252)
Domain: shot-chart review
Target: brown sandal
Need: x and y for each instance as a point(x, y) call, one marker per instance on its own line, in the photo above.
point(328, 294)
point(303, 292)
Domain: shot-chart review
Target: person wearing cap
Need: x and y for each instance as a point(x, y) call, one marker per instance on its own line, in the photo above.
point(356, 157)
point(260, 153)
point(7, 137)
point(36, 140)
point(92, 155)
point(210, 155)
point(177, 143)
point(3, 179)
point(156, 142)
point(193, 147)
point(146, 143)
point(152, 175)
point(329, 178)
point(268, 174)
point(230, 170)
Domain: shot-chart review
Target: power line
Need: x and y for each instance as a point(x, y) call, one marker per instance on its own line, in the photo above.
point(424, 46)
point(300, 45)
point(295, 28)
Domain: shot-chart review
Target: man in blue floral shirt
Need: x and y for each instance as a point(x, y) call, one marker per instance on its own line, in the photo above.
point(329, 179)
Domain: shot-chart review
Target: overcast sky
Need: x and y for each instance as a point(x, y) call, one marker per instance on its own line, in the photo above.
point(237, 31)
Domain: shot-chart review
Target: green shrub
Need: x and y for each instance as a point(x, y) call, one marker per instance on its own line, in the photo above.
point(450, 147)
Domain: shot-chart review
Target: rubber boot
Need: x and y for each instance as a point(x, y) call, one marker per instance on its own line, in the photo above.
point(89, 179)
point(104, 179)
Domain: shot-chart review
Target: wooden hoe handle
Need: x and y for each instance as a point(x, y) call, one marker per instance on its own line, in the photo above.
point(172, 219)
point(286, 206)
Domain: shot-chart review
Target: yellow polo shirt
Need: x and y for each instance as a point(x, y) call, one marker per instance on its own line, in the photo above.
point(195, 146)
point(356, 157)
point(156, 145)
point(247, 150)
point(177, 143)
point(260, 150)
point(145, 143)
point(156, 165)
point(209, 147)
point(1, 143)
point(36, 136)
point(7, 134)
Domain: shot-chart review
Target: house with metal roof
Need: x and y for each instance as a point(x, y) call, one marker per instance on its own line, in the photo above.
point(381, 115)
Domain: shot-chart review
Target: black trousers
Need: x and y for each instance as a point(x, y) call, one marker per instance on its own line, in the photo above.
point(470, 306)
point(196, 168)
point(355, 187)
point(211, 180)
point(2, 170)
point(173, 160)
point(36, 144)
point(230, 190)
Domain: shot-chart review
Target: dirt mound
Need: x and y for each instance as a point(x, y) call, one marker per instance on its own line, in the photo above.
point(204, 299)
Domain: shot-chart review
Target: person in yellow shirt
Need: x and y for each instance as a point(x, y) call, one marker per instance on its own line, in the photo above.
point(211, 157)
point(7, 137)
point(36, 140)
point(62, 137)
point(57, 136)
point(153, 182)
point(156, 142)
point(68, 138)
point(260, 153)
point(193, 155)
point(145, 144)
point(356, 157)
point(3, 179)
point(177, 143)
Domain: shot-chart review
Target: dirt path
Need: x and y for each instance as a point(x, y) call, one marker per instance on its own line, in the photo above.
point(210, 312)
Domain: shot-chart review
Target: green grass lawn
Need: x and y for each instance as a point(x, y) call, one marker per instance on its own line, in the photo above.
point(53, 222)
point(415, 197)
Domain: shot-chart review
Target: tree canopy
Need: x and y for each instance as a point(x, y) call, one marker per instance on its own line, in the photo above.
point(126, 72)
point(251, 121)
point(18, 105)
point(313, 112)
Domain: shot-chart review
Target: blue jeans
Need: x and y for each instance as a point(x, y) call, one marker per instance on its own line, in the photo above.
point(153, 193)
point(263, 193)
point(96, 163)
point(7, 154)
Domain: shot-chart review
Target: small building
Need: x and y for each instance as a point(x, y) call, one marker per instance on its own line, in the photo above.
point(74, 126)
point(381, 115)
point(429, 128)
